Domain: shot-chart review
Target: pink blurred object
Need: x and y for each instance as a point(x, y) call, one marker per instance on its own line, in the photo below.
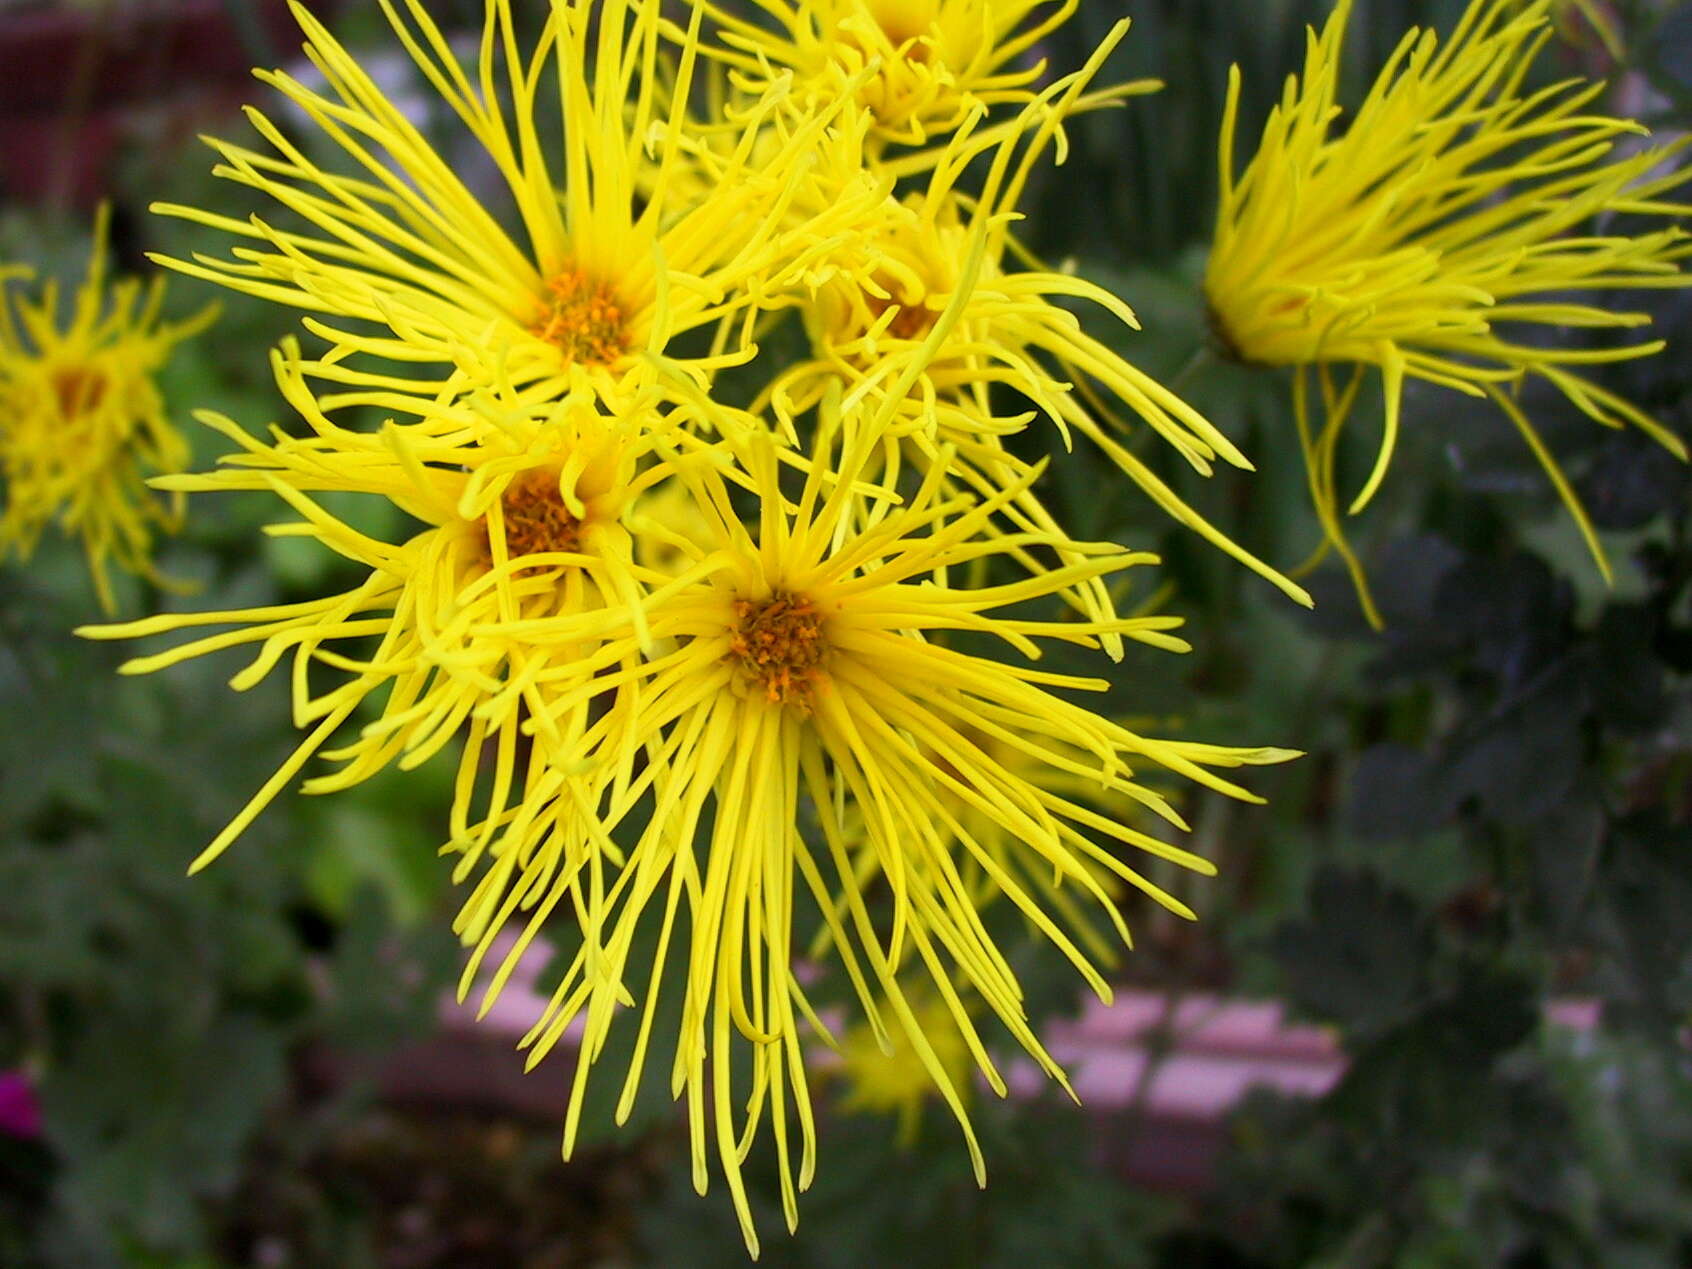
point(1158, 1077)
point(20, 1108)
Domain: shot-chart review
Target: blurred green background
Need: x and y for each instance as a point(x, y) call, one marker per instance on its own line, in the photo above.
point(1495, 813)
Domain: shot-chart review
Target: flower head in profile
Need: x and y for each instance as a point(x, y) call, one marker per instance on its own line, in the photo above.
point(517, 513)
point(801, 676)
point(1455, 216)
point(597, 252)
point(82, 423)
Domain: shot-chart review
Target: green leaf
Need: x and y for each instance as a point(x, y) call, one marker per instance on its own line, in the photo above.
point(1360, 958)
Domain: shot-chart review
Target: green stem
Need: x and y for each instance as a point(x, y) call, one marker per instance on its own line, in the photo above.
point(1201, 356)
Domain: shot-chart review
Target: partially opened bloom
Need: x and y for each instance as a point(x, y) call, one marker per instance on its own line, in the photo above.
point(517, 512)
point(1456, 212)
point(82, 423)
point(398, 258)
point(919, 67)
point(800, 679)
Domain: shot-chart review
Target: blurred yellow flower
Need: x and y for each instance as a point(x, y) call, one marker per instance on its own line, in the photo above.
point(899, 1083)
point(795, 674)
point(1430, 237)
point(82, 423)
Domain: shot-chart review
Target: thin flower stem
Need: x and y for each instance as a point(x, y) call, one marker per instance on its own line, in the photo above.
point(1201, 356)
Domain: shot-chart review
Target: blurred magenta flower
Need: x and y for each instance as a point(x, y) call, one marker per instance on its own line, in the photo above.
point(20, 1108)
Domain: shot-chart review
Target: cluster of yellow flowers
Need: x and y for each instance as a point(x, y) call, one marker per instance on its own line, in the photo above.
point(762, 681)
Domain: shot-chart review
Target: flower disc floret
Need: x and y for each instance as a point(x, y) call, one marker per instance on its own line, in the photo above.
point(780, 644)
point(584, 318)
point(534, 519)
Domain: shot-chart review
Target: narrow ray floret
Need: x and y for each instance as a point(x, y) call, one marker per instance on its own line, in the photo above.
point(612, 253)
point(898, 1083)
point(799, 676)
point(517, 513)
point(996, 853)
point(82, 421)
point(1457, 215)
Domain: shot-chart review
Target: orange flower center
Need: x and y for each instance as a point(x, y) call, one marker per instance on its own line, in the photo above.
point(583, 318)
point(536, 519)
point(779, 642)
point(912, 321)
point(78, 391)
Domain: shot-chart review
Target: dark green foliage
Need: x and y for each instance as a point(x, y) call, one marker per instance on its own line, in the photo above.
point(876, 1202)
point(159, 1015)
point(160, 1012)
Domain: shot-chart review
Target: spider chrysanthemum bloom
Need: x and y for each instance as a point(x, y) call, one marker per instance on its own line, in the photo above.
point(517, 514)
point(82, 422)
point(611, 255)
point(1455, 216)
point(799, 672)
point(939, 307)
point(930, 63)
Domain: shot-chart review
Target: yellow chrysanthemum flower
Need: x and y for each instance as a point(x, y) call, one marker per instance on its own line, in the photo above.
point(522, 509)
point(82, 423)
point(919, 67)
point(932, 291)
point(795, 674)
point(403, 261)
point(1456, 206)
